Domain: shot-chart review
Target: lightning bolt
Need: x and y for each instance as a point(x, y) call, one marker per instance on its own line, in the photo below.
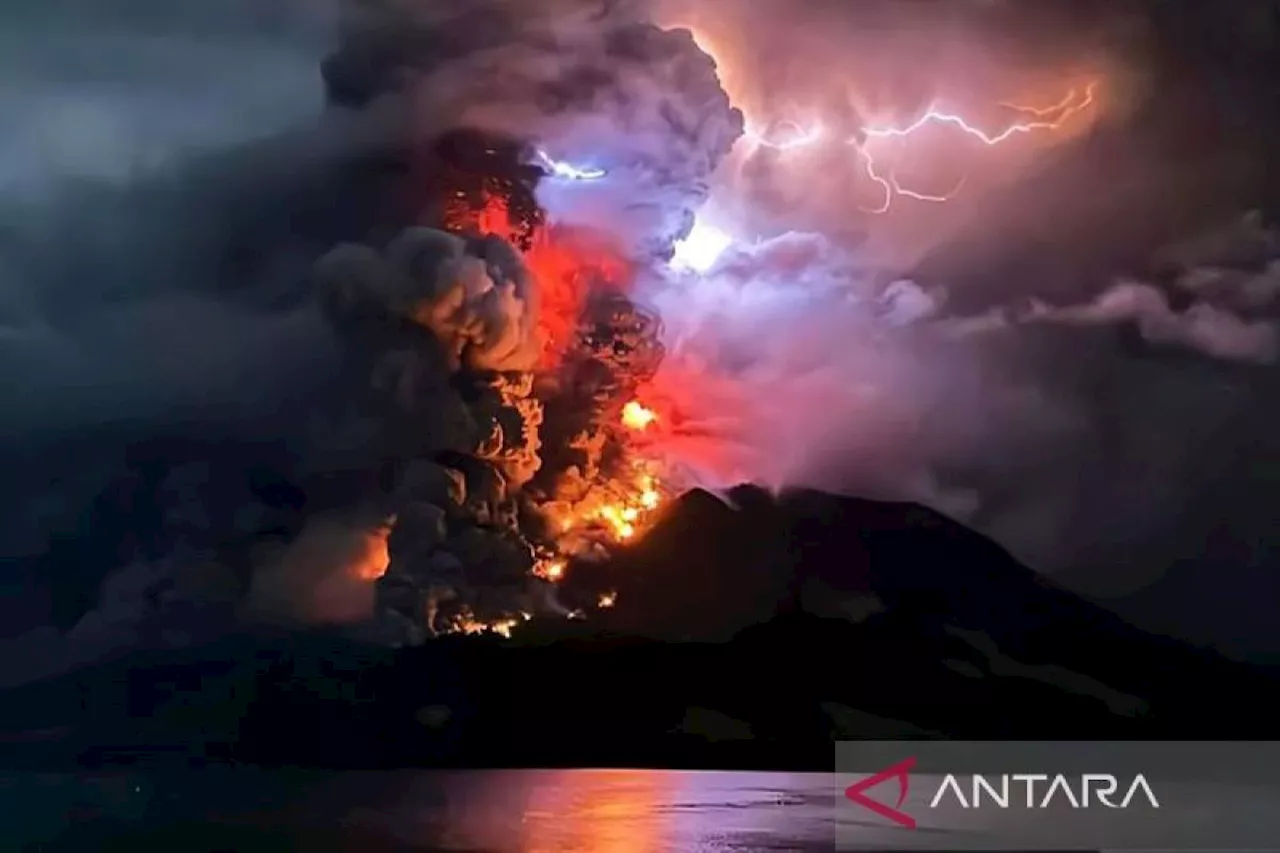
point(1040, 112)
point(561, 169)
point(1069, 106)
point(892, 189)
point(1046, 118)
point(802, 138)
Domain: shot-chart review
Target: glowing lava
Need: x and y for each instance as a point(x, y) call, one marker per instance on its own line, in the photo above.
point(551, 570)
point(467, 623)
point(622, 508)
point(636, 416)
point(605, 503)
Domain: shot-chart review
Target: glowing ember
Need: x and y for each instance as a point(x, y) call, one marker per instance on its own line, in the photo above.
point(466, 623)
point(550, 570)
point(621, 509)
point(607, 600)
point(616, 517)
point(636, 416)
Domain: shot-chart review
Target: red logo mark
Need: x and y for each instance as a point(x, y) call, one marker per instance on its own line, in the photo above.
point(899, 771)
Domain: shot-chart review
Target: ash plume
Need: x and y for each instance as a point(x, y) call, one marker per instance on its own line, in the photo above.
point(1044, 355)
point(139, 317)
point(444, 331)
point(408, 359)
point(591, 83)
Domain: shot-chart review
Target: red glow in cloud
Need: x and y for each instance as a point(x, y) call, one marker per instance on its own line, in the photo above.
point(567, 266)
point(701, 425)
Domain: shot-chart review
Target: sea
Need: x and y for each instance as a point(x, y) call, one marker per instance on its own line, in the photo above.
point(483, 811)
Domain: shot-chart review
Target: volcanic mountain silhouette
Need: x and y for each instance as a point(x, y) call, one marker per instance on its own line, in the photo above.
point(750, 632)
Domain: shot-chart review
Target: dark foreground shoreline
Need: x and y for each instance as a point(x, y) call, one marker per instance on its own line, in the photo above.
point(773, 698)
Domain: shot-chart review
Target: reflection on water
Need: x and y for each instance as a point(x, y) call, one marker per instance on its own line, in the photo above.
point(524, 811)
point(612, 812)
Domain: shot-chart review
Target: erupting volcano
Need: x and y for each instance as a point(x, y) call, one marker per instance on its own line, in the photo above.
point(524, 300)
point(553, 474)
point(518, 330)
point(540, 270)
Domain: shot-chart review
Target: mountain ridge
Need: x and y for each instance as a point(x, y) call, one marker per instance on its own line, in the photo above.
point(734, 643)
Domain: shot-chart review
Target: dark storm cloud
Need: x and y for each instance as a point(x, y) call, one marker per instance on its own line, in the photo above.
point(136, 143)
point(108, 293)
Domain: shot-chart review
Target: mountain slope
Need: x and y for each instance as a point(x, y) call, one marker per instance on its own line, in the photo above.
point(747, 636)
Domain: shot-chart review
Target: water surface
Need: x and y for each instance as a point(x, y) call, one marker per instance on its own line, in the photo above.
point(504, 811)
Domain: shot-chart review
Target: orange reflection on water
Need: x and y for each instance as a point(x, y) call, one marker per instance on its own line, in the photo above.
point(599, 811)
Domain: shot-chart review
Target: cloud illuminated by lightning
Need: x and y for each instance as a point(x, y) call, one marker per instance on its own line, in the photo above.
point(790, 135)
point(801, 138)
point(1065, 109)
point(1072, 104)
point(892, 189)
point(699, 251)
point(568, 171)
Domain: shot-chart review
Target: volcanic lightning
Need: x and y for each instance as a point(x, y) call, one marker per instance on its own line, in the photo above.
point(1048, 118)
point(568, 171)
point(699, 251)
point(512, 326)
point(800, 137)
point(1071, 105)
point(892, 189)
point(788, 135)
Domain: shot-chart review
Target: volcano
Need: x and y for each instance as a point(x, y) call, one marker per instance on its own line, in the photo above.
point(481, 455)
point(751, 632)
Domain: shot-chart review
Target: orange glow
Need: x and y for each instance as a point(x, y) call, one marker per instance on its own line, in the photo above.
point(623, 507)
point(602, 811)
point(637, 417)
point(373, 558)
point(566, 265)
point(550, 570)
point(467, 623)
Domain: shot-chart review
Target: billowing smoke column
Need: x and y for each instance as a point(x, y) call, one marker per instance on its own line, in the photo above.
point(499, 345)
